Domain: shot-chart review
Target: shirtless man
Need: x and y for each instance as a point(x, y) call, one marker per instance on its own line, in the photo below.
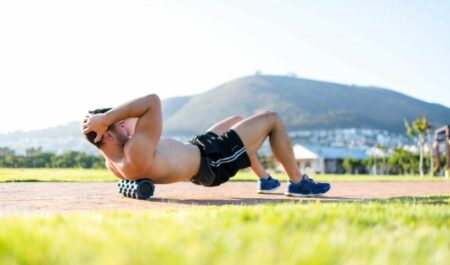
point(129, 137)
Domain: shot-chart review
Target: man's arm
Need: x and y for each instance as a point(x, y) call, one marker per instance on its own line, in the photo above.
point(139, 150)
point(130, 125)
point(136, 108)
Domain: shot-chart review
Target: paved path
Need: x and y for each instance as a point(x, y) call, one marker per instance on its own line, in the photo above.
point(61, 197)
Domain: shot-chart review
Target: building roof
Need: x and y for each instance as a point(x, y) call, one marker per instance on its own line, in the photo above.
point(328, 152)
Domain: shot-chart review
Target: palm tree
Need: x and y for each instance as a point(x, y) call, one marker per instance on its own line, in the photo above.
point(431, 149)
point(421, 128)
point(384, 151)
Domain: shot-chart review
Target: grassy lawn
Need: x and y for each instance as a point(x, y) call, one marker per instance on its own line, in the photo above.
point(55, 174)
point(401, 231)
point(102, 175)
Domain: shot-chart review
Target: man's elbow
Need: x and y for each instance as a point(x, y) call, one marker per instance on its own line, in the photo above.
point(153, 99)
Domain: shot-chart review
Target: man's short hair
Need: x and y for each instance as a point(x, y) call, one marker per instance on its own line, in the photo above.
point(90, 136)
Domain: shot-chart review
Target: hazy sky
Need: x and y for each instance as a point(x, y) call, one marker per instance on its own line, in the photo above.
point(60, 58)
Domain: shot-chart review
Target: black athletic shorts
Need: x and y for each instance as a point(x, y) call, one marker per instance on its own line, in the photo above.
point(221, 157)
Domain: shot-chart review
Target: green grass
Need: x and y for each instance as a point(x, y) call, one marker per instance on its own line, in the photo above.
point(400, 231)
point(102, 175)
point(55, 174)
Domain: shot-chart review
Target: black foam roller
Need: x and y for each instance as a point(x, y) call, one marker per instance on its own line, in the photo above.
point(140, 189)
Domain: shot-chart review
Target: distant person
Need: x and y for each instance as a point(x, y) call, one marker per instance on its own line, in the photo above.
point(129, 137)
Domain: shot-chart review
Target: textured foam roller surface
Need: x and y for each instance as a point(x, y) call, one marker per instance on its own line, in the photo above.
point(140, 189)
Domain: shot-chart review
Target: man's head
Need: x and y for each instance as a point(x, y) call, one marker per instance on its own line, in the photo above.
point(116, 133)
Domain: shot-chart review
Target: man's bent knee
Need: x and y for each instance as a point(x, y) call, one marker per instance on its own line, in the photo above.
point(235, 118)
point(270, 115)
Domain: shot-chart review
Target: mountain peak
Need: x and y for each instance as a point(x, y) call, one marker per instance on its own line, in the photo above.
point(303, 104)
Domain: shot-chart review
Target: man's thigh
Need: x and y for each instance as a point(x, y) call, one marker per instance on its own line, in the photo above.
point(254, 130)
point(224, 125)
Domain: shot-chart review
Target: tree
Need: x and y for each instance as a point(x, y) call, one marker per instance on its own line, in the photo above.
point(354, 166)
point(374, 163)
point(5, 151)
point(347, 164)
point(421, 129)
point(402, 162)
point(384, 151)
point(36, 158)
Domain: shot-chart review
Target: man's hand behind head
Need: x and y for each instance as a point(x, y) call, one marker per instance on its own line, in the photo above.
point(95, 123)
point(90, 132)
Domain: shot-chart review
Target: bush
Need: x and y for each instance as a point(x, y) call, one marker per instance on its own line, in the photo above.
point(35, 158)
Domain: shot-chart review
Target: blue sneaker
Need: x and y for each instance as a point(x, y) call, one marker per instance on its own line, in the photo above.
point(269, 185)
point(306, 187)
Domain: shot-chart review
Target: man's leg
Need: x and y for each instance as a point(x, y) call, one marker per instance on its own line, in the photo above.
point(223, 126)
point(255, 129)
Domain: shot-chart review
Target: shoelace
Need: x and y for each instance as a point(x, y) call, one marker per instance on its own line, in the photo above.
point(308, 179)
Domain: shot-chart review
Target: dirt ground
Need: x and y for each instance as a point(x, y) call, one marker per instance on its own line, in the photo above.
point(50, 197)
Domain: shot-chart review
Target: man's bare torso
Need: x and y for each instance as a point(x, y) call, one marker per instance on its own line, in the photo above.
point(173, 162)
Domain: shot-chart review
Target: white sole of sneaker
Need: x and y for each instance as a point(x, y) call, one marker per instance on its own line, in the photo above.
point(302, 195)
point(275, 190)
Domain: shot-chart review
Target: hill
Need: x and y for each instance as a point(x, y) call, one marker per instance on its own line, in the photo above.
point(303, 104)
point(58, 139)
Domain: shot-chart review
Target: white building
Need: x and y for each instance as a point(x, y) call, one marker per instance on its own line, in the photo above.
point(325, 159)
